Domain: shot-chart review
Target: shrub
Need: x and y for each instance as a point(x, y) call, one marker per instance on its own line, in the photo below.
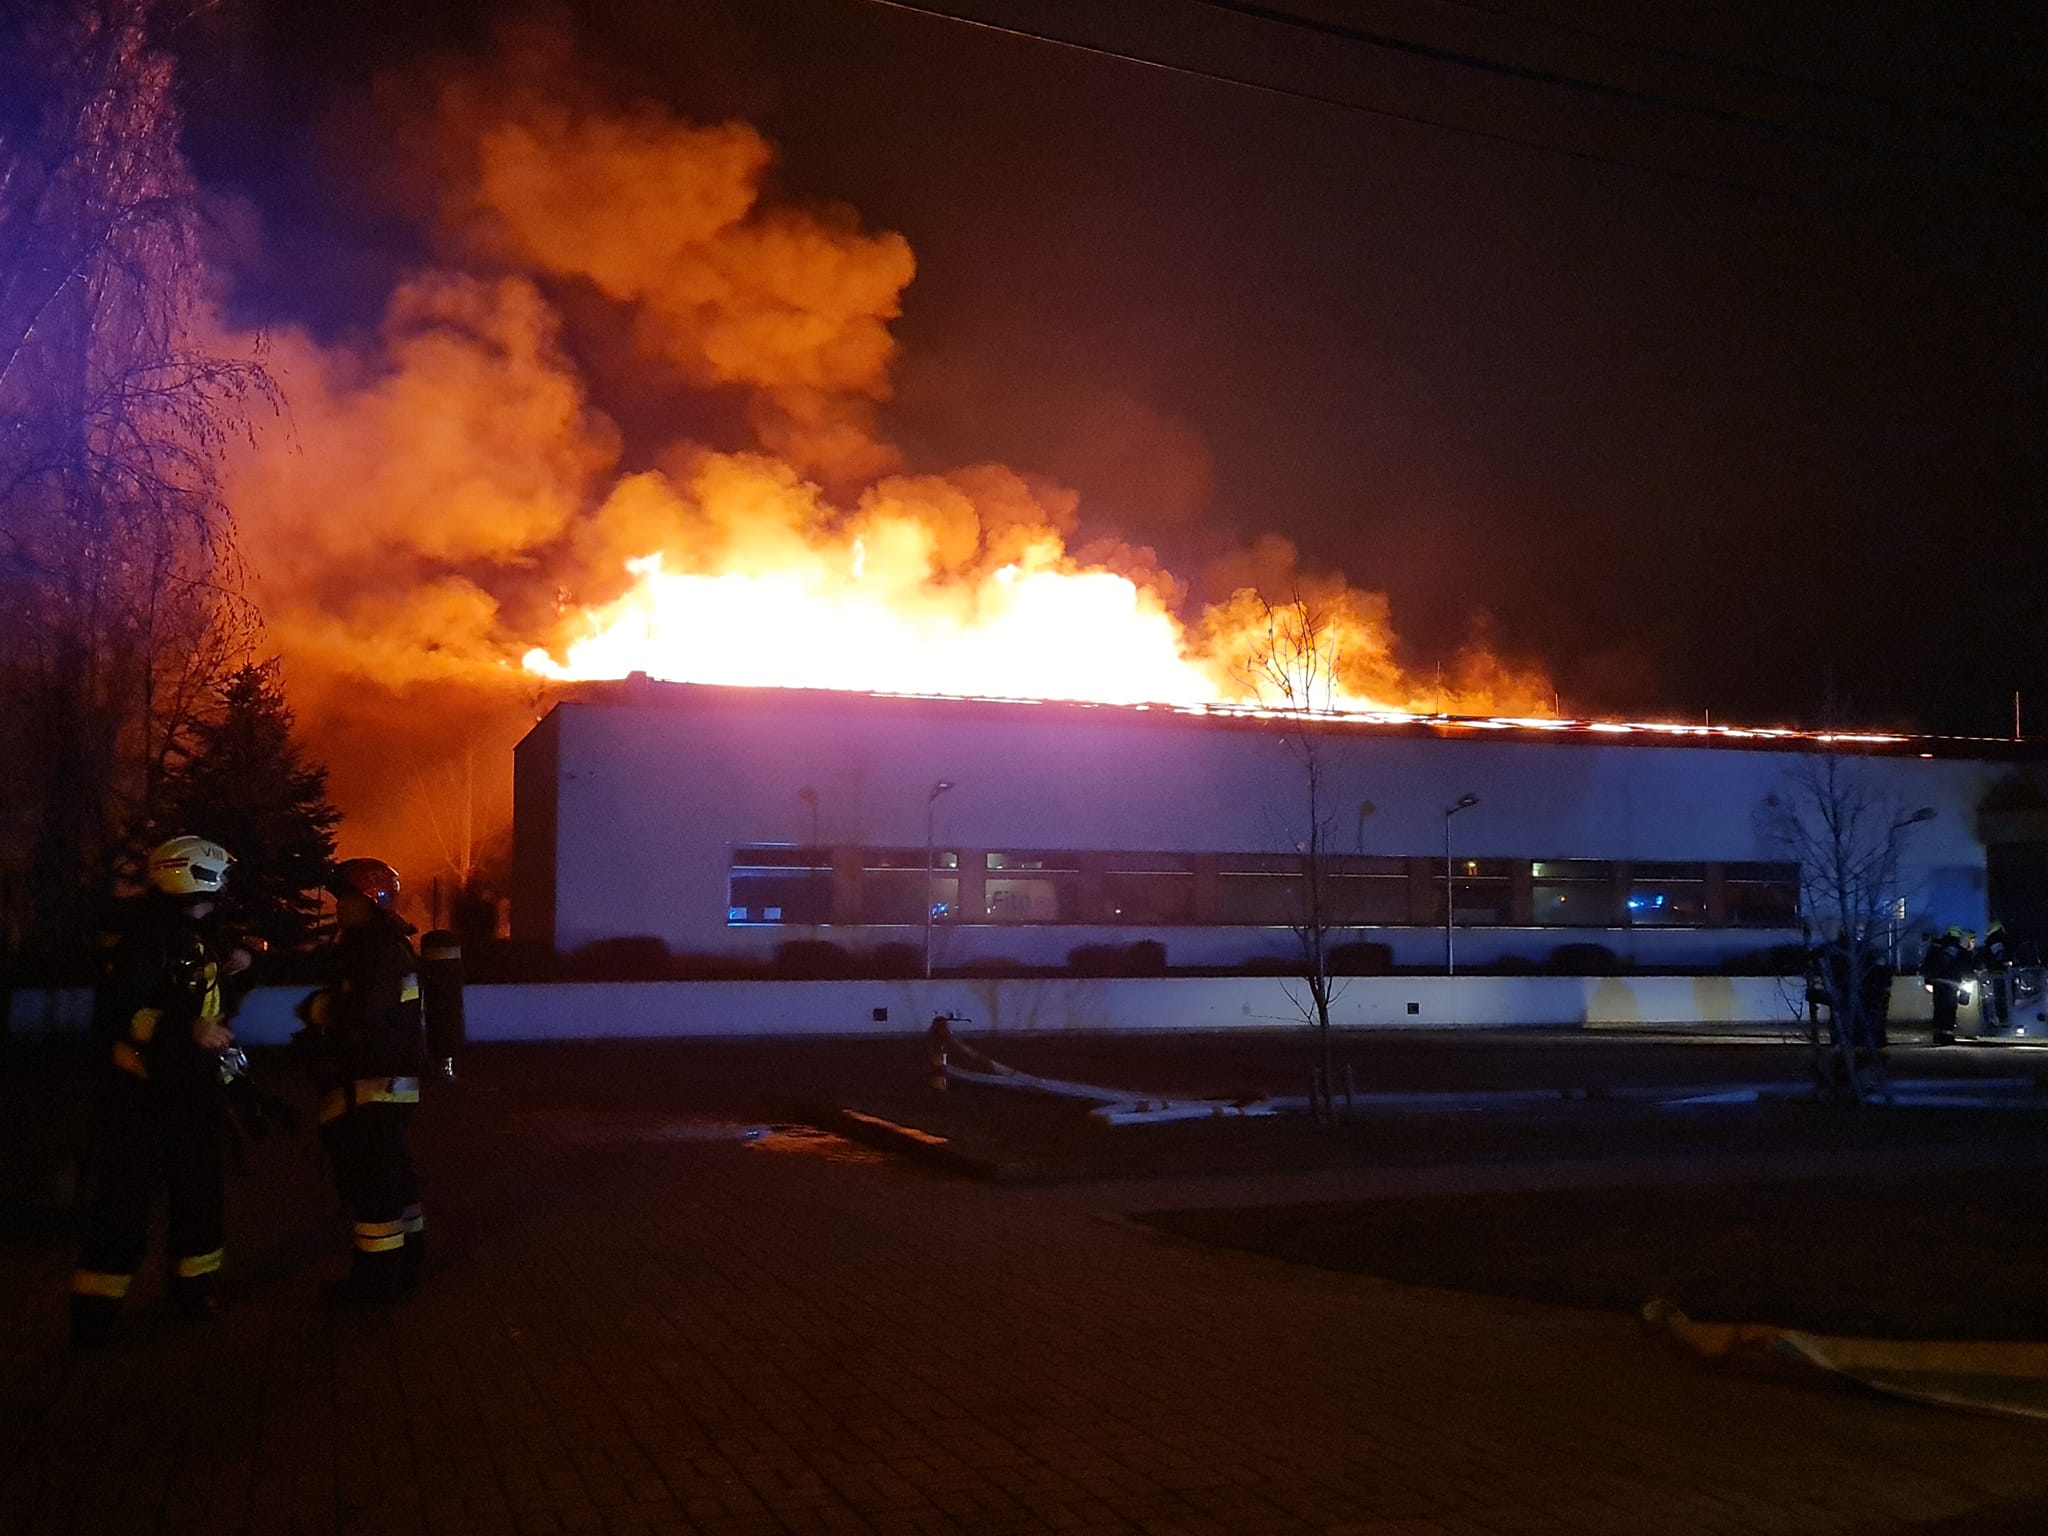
point(813, 960)
point(1145, 957)
point(1360, 957)
point(895, 961)
point(636, 957)
point(1584, 960)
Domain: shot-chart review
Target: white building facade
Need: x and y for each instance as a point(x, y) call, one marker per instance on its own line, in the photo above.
point(727, 823)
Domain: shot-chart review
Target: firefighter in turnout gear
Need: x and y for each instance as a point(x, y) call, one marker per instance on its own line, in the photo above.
point(1943, 968)
point(363, 1033)
point(1994, 979)
point(159, 1017)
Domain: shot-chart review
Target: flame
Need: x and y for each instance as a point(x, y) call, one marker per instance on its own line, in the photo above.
point(1027, 632)
point(476, 480)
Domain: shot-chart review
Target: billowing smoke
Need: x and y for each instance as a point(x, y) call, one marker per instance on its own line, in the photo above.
point(448, 498)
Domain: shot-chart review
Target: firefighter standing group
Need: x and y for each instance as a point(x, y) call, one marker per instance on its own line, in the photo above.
point(171, 1071)
point(1954, 963)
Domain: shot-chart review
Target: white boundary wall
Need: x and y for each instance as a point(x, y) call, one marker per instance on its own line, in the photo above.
point(708, 1009)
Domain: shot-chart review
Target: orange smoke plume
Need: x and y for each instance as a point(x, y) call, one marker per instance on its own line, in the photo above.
point(451, 525)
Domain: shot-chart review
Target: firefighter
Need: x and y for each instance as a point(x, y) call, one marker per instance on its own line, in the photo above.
point(1993, 956)
point(1942, 968)
point(162, 1105)
point(363, 1034)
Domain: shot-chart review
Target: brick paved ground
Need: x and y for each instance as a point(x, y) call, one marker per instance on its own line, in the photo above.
point(637, 1323)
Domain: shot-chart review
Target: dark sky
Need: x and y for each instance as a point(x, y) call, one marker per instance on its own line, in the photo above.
point(1763, 419)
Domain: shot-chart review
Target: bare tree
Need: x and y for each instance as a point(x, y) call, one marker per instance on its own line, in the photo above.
point(1292, 670)
point(1848, 839)
point(118, 584)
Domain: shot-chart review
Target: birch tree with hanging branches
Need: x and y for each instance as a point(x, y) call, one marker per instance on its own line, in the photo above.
point(119, 588)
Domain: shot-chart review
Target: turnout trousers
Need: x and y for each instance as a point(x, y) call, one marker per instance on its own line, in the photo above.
point(140, 1146)
point(1945, 1003)
point(366, 1144)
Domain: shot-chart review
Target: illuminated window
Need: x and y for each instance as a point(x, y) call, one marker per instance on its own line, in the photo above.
point(895, 887)
point(779, 883)
point(1065, 863)
point(1572, 893)
point(1485, 897)
point(1034, 886)
point(1667, 895)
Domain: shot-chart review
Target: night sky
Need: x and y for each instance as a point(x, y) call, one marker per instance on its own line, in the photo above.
point(1753, 417)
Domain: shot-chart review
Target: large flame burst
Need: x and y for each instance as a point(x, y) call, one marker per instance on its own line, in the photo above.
point(1028, 631)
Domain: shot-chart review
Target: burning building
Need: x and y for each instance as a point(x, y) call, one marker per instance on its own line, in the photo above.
point(727, 822)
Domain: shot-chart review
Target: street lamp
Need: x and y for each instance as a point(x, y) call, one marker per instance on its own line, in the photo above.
point(1462, 803)
point(1896, 909)
point(930, 800)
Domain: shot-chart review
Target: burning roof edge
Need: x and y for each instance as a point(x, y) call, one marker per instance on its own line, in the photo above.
point(642, 692)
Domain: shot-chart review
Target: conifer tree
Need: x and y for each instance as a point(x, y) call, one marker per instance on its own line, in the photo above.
point(248, 786)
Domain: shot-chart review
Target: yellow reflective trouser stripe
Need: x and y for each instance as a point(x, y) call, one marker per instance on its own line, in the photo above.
point(93, 1282)
point(129, 1059)
point(201, 1264)
point(142, 1027)
point(380, 1236)
point(415, 1220)
point(369, 1090)
point(409, 990)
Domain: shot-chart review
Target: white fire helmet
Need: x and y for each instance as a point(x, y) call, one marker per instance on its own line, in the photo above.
point(188, 867)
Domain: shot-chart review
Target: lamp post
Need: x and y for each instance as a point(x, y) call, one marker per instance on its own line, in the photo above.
point(930, 801)
point(1462, 803)
point(1895, 909)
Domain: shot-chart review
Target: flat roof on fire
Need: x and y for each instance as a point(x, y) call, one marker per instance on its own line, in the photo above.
point(725, 823)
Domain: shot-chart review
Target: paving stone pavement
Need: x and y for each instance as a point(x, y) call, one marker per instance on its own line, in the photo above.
point(639, 1321)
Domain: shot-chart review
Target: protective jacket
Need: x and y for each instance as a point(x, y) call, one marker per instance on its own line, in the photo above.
point(1944, 961)
point(1994, 952)
point(367, 1024)
point(162, 983)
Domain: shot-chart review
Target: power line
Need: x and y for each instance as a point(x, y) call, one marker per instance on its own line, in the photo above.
point(1754, 71)
point(1430, 51)
point(1345, 104)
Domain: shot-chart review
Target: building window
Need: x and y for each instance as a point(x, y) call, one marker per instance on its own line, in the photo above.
point(1364, 892)
point(1032, 887)
point(779, 883)
point(1667, 895)
point(1149, 888)
point(1484, 893)
point(895, 886)
point(1762, 895)
point(1572, 893)
point(1259, 890)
